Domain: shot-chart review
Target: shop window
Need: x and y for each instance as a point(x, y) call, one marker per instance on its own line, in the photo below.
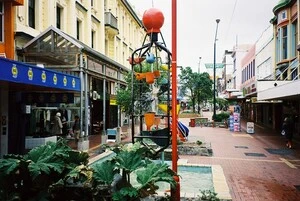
point(31, 13)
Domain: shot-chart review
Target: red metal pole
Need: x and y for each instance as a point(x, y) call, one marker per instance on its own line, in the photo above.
point(175, 193)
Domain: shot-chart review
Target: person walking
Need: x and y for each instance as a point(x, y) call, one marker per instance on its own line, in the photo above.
point(76, 128)
point(288, 129)
point(57, 126)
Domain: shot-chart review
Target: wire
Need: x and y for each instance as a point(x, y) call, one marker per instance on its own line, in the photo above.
point(231, 18)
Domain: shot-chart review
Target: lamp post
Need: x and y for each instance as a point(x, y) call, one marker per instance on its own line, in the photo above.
point(215, 41)
point(199, 65)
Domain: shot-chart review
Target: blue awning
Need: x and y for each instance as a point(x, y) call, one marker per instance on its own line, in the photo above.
point(22, 73)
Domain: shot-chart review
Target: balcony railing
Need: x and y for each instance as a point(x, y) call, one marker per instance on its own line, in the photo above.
point(110, 20)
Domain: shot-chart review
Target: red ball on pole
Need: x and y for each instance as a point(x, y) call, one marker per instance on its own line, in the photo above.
point(153, 19)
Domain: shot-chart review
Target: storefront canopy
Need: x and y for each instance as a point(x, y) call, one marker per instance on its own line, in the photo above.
point(22, 73)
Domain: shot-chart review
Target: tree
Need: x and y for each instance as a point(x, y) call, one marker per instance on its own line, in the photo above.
point(203, 89)
point(188, 82)
point(125, 93)
point(199, 86)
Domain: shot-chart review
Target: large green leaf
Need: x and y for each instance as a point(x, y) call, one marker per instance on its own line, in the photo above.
point(8, 166)
point(155, 172)
point(81, 174)
point(49, 152)
point(76, 158)
point(104, 172)
point(126, 192)
point(129, 160)
point(39, 167)
point(48, 158)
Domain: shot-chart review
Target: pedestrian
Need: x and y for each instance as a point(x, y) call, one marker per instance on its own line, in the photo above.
point(76, 128)
point(57, 126)
point(288, 129)
point(65, 126)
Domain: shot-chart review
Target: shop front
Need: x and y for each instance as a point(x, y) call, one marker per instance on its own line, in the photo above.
point(29, 97)
point(100, 76)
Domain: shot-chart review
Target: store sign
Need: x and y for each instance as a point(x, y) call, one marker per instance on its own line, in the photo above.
point(217, 65)
point(13, 71)
point(113, 102)
point(111, 73)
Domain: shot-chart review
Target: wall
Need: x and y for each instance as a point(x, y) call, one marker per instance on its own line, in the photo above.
point(265, 49)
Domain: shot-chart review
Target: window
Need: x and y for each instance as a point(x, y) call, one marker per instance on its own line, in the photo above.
point(278, 47)
point(78, 29)
point(58, 17)
point(1, 22)
point(284, 42)
point(93, 39)
point(295, 74)
point(253, 67)
point(294, 38)
point(282, 16)
point(31, 13)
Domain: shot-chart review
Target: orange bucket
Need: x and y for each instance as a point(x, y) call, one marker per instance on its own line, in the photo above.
point(149, 77)
point(156, 73)
point(149, 119)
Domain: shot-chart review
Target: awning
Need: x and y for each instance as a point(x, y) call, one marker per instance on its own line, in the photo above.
point(22, 73)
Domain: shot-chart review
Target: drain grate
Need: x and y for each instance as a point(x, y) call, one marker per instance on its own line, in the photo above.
point(280, 151)
point(297, 187)
point(255, 154)
point(241, 147)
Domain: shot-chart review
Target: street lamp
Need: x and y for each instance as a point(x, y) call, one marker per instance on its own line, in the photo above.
point(199, 65)
point(215, 41)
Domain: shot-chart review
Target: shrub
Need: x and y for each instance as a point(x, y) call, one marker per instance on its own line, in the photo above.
point(222, 116)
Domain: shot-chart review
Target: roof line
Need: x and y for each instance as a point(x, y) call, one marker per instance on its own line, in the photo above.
point(58, 31)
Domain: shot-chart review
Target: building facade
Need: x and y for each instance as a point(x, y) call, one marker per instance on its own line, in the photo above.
point(88, 40)
point(285, 83)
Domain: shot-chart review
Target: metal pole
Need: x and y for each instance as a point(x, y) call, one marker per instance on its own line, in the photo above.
point(81, 91)
point(214, 114)
point(104, 103)
point(175, 193)
point(199, 65)
point(119, 108)
point(86, 101)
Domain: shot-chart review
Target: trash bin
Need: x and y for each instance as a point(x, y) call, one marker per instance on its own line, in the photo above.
point(250, 127)
point(192, 123)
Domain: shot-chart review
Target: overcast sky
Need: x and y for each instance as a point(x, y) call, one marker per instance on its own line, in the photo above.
point(241, 21)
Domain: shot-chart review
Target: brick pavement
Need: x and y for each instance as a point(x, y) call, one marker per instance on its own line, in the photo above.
point(262, 176)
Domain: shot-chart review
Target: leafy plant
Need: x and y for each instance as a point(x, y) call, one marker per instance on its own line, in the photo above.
point(131, 158)
point(222, 116)
point(209, 195)
point(56, 172)
point(29, 176)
